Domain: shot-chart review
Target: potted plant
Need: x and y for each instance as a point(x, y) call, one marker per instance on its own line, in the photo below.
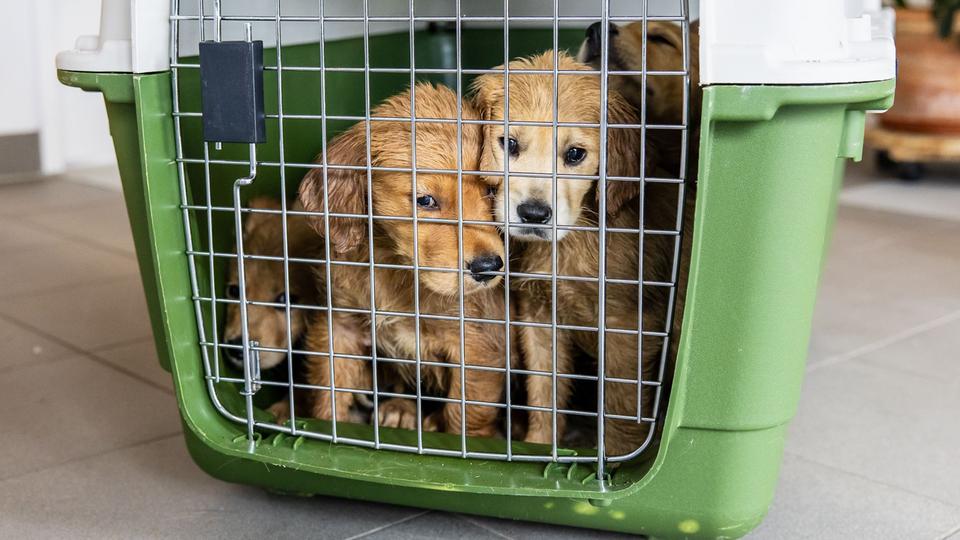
point(928, 78)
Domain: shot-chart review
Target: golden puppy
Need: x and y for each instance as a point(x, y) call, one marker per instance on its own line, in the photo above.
point(531, 149)
point(439, 253)
point(267, 325)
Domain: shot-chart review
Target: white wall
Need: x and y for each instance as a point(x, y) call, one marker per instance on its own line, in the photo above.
point(19, 108)
point(74, 131)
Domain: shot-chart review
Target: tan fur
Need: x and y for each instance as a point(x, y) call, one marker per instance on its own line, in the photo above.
point(579, 255)
point(531, 99)
point(263, 235)
point(390, 146)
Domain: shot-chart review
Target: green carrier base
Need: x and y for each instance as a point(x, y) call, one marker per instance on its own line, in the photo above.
point(771, 159)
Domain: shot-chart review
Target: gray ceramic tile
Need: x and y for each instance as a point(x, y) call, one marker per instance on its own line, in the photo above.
point(103, 224)
point(15, 237)
point(862, 229)
point(60, 264)
point(139, 358)
point(821, 503)
point(891, 426)
point(869, 295)
point(525, 530)
point(68, 409)
point(934, 353)
point(51, 193)
point(155, 491)
point(21, 347)
point(435, 525)
point(89, 317)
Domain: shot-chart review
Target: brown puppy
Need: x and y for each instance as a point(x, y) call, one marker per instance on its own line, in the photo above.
point(579, 251)
point(440, 255)
point(664, 93)
point(267, 325)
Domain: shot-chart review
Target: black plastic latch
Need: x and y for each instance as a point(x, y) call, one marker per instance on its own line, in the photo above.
point(231, 91)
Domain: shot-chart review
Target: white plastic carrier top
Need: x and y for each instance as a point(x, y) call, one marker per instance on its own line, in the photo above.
point(795, 42)
point(742, 41)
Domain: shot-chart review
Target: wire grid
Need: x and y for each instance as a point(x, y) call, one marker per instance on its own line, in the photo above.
point(203, 258)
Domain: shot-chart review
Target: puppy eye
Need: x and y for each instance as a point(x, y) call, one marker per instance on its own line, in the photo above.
point(574, 155)
point(282, 299)
point(513, 147)
point(427, 202)
point(233, 291)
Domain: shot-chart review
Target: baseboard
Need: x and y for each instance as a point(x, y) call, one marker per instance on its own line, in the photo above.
point(19, 153)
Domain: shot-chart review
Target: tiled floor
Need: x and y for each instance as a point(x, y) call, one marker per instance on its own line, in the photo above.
point(91, 442)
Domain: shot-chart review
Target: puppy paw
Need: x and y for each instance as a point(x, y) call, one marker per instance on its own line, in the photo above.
point(280, 411)
point(433, 422)
point(398, 413)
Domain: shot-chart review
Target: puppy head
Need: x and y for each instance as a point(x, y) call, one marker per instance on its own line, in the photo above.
point(664, 53)
point(529, 203)
point(435, 195)
point(263, 235)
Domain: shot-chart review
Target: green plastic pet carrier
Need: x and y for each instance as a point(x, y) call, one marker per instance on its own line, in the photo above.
point(785, 91)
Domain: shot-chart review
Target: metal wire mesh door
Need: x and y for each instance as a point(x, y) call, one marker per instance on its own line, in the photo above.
point(327, 66)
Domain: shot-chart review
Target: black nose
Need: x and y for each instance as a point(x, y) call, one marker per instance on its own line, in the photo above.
point(485, 263)
point(534, 212)
point(595, 33)
point(233, 353)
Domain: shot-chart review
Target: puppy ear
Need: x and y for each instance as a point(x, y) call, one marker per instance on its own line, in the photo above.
point(487, 90)
point(666, 33)
point(623, 154)
point(347, 190)
point(254, 221)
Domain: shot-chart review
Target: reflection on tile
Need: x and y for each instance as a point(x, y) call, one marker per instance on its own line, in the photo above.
point(63, 410)
point(89, 317)
point(821, 503)
point(155, 490)
point(539, 531)
point(435, 525)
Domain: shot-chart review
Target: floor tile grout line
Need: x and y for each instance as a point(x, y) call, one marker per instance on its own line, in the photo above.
point(121, 344)
point(79, 459)
point(9, 369)
point(873, 480)
point(490, 530)
point(886, 342)
point(87, 354)
point(387, 525)
point(952, 533)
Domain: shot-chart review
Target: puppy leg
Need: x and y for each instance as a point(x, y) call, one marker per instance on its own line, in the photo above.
point(624, 436)
point(484, 348)
point(537, 345)
point(349, 337)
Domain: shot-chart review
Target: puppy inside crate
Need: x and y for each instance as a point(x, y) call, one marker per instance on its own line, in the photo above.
point(663, 100)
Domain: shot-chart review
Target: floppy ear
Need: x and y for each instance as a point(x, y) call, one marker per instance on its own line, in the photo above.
point(666, 33)
point(487, 90)
point(347, 190)
point(253, 222)
point(623, 154)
